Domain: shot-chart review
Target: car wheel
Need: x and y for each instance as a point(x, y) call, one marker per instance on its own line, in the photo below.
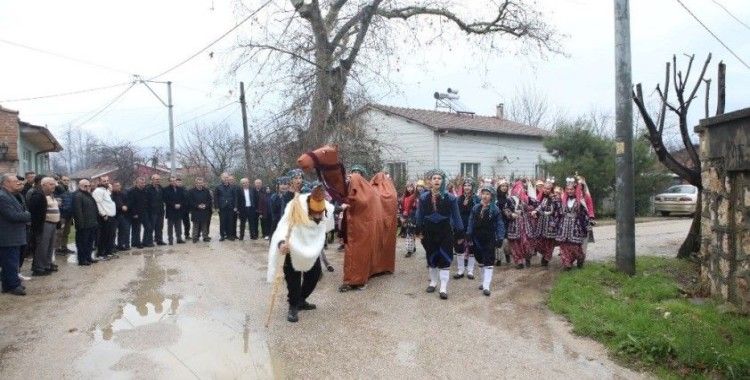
point(664, 213)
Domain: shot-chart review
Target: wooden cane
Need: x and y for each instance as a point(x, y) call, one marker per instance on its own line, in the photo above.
point(277, 279)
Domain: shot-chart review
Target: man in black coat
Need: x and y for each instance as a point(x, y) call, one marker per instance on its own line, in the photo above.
point(225, 200)
point(122, 216)
point(199, 198)
point(85, 216)
point(185, 211)
point(247, 203)
point(175, 203)
point(156, 208)
point(138, 212)
point(13, 220)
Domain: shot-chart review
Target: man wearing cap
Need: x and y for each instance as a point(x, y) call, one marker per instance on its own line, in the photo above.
point(300, 237)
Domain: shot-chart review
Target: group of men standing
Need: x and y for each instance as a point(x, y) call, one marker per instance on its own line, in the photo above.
point(248, 204)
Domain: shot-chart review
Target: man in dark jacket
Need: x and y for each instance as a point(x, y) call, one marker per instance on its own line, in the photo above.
point(225, 200)
point(121, 216)
point(175, 203)
point(45, 218)
point(185, 210)
point(200, 202)
point(156, 208)
point(85, 214)
point(30, 181)
point(139, 217)
point(13, 220)
point(247, 203)
point(65, 198)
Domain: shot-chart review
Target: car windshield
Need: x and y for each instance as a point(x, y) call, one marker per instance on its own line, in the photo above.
point(682, 189)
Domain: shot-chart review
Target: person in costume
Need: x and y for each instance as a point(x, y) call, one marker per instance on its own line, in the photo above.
point(573, 228)
point(486, 227)
point(440, 224)
point(465, 260)
point(356, 168)
point(306, 189)
point(299, 238)
point(546, 216)
point(503, 194)
point(519, 225)
point(408, 214)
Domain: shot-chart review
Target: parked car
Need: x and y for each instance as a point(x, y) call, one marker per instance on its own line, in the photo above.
point(679, 199)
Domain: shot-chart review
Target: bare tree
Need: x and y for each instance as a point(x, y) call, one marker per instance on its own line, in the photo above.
point(122, 155)
point(318, 46)
point(80, 148)
point(690, 172)
point(530, 106)
point(211, 146)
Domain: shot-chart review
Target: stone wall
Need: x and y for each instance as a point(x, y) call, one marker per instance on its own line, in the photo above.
point(725, 223)
point(9, 135)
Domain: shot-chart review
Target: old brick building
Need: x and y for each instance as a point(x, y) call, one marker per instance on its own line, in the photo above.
point(24, 146)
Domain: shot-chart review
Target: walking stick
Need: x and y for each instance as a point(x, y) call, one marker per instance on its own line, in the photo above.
point(277, 280)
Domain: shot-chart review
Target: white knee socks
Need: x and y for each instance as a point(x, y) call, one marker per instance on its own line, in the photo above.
point(460, 263)
point(433, 276)
point(487, 278)
point(472, 262)
point(444, 276)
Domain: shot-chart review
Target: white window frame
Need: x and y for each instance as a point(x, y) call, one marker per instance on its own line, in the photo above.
point(470, 169)
point(397, 175)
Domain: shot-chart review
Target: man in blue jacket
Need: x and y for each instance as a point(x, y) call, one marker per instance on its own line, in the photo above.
point(13, 220)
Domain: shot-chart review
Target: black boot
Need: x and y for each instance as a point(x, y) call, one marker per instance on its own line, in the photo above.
point(528, 262)
point(579, 263)
point(307, 306)
point(519, 266)
point(545, 263)
point(507, 258)
point(292, 315)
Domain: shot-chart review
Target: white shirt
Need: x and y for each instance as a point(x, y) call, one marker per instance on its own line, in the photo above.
point(248, 203)
point(104, 202)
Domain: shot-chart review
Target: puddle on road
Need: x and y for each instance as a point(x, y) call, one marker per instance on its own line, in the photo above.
point(173, 336)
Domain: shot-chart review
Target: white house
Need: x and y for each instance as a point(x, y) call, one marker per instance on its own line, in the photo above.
point(415, 141)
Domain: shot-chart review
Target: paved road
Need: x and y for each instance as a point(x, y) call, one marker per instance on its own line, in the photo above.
point(197, 311)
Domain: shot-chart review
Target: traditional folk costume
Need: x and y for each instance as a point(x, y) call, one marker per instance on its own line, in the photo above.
point(502, 203)
point(440, 223)
point(466, 203)
point(485, 229)
point(573, 228)
point(547, 220)
point(519, 226)
point(408, 217)
point(305, 237)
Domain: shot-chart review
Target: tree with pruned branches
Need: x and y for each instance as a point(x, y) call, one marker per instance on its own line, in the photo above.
point(684, 96)
point(315, 48)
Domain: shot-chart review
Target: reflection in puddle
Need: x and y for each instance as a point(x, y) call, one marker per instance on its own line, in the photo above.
point(157, 336)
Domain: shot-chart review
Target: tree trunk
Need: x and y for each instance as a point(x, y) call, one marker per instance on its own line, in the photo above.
point(692, 244)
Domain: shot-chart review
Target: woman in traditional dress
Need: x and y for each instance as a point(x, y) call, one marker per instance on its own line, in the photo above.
point(573, 229)
point(466, 203)
point(519, 226)
point(408, 214)
point(485, 229)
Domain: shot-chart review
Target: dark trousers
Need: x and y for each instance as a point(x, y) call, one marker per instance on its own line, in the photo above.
point(174, 224)
point(9, 258)
point(265, 226)
point(137, 227)
point(157, 224)
point(300, 284)
point(200, 226)
point(123, 231)
point(186, 224)
point(249, 214)
point(85, 238)
point(227, 223)
point(107, 232)
point(148, 229)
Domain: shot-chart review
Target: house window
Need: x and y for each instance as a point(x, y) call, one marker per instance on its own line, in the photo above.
point(26, 160)
point(539, 172)
point(397, 171)
point(469, 169)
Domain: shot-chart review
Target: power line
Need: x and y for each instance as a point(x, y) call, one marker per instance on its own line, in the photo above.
point(186, 60)
point(76, 92)
point(184, 122)
point(731, 14)
point(58, 55)
point(714, 35)
point(109, 104)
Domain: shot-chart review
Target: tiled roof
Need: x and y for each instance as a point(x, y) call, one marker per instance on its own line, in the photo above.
point(92, 172)
point(451, 121)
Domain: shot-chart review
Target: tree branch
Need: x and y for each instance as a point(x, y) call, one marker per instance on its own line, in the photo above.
point(721, 89)
point(700, 79)
point(280, 50)
point(663, 114)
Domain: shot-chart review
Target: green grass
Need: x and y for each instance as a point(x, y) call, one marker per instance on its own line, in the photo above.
point(646, 320)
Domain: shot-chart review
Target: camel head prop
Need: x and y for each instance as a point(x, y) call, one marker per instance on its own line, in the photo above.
point(324, 161)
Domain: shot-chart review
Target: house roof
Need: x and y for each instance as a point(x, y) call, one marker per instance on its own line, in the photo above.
point(8, 110)
point(93, 172)
point(450, 121)
point(40, 136)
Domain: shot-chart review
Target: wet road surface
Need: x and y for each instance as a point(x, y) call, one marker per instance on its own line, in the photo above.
point(198, 310)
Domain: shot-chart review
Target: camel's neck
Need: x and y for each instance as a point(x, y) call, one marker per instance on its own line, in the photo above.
point(335, 181)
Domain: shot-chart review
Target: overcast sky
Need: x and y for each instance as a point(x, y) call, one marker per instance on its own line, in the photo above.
point(147, 37)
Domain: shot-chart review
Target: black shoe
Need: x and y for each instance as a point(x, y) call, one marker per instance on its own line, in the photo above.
point(53, 268)
point(579, 263)
point(292, 315)
point(430, 289)
point(84, 264)
point(481, 287)
point(232, 239)
point(36, 273)
point(545, 263)
point(161, 243)
point(486, 292)
point(498, 263)
point(470, 276)
point(567, 269)
point(528, 262)
point(123, 249)
point(149, 245)
point(138, 246)
point(195, 241)
point(92, 261)
point(170, 243)
point(307, 306)
point(180, 241)
point(457, 276)
point(507, 258)
point(519, 266)
point(242, 238)
point(408, 254)
point(18, 291)
point(220, 239)
point(443, 295)
point(207, 239)
point(330, 268)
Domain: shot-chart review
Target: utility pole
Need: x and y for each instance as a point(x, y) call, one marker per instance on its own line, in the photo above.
point(625, 211)
point(245, 132)
point(171, 130)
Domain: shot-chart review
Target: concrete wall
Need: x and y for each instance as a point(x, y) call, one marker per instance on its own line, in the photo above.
point(725, 223)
